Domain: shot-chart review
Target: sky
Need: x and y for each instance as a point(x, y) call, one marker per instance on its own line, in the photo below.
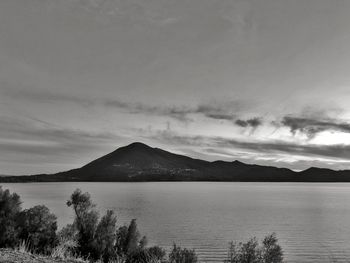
point(259, 81)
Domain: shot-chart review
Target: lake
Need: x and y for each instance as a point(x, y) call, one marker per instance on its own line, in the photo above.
point(312, 221)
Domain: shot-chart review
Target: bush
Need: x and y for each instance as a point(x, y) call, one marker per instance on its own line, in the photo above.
point(120, 244)
point(182, 255)
point(252, 252)
point(271, 251)
point(133, 249)
point(244, 252)
point(146, 255)
point(105, 236)
point(10, 206)
point(86, 218)
point(128, 239)
point(132, 238)
point(157, 253)
point(67, 243)
point(38, 227)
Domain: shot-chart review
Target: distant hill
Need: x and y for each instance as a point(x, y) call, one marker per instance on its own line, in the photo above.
point(138, 162)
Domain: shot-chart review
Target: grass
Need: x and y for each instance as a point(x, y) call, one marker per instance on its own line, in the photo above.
point(24, 247)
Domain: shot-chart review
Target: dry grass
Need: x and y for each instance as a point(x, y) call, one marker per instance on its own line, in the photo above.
point(24, 247)
point(16, 256)
point(64, 249)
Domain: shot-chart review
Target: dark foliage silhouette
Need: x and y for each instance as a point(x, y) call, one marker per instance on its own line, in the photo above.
point(271, 251)
point(86, 218)
point(182, 255)
point(38, 226)
point(10, 206)
point(105, 236)
point(252, 252)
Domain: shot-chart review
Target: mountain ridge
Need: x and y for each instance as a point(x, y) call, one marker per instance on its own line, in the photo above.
point(138, 162)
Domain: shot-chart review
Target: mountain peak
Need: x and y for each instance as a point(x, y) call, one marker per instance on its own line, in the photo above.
point(137, 145)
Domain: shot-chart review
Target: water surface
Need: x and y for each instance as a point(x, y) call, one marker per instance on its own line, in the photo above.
point(311, 220)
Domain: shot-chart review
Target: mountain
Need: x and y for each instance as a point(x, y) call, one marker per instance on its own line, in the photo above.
point(139, 162)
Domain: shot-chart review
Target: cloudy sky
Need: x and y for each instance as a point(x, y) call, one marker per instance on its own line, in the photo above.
point(261, 81)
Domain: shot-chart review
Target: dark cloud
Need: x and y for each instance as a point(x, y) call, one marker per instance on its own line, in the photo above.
point(220, 116)
point(253, 123)
point(221, 111)
point(312, 127)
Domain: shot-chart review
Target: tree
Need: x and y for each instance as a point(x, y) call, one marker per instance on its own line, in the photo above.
point(10, 206)
point(182, 255)
point(105, 236)
point(143, 242)
point(86, 218)
point(271, 251)
point(120, 244)
point(252, 252)
point(133, 249)
point(38, 226)
point(132, 238)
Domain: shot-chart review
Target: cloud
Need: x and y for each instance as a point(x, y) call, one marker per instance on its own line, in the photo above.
point(250, 124)
point(35, 146)
point(223, 110)
point(43, 138)
point(282, 160)
point(311, 127)
point(41, 96)
point(337, 151)
point(179, 113)
point(254, 123)
point(226, 111)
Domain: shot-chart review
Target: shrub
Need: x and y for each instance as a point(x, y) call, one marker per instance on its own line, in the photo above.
point(271, 251)
point(68, 232)
point(143, 242)
point(129, 246)
point(252, 252)
point(10, 206)
point(105, 236)
point(67, 243)
point(86, 218)
point(128, 239)
point(132, 238)
point(157, 253)
point(38, 227)
point(120, 245)
point(182, 255)
point(147, 255)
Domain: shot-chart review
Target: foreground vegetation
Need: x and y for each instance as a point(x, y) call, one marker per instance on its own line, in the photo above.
point(93, 239)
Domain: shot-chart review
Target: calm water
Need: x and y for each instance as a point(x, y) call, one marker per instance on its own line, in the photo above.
point(312, 221)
